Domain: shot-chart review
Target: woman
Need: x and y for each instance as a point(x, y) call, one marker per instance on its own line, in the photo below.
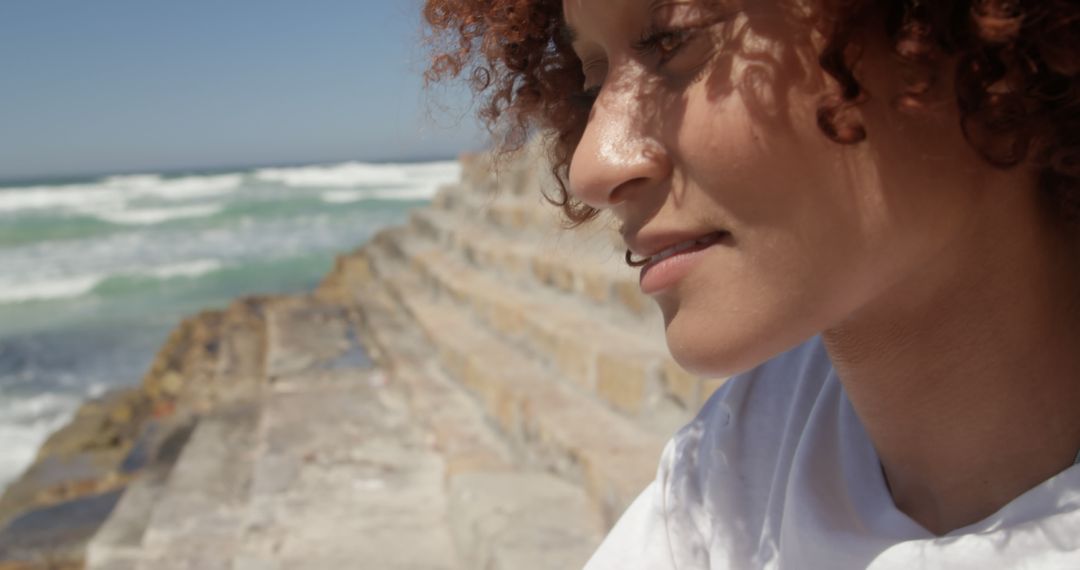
point(867, 210)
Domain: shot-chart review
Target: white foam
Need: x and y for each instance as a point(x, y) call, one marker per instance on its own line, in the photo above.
point(112, 195)
point(150, 216)
point(341, 175)
point(418, 192)
point(359, 174)
point(190, 187)
point(67, 287)
point(342, 196)
point(96, 390)
point(18, 446)
point(74, 197)
point(135, 181)
point(37, 408)
point(58, 288)
point(114, 192)
point(25, 423)
point(425, 192)
point(187, 269)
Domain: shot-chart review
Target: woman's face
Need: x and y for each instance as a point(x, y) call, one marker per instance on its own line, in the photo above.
point(704, 126)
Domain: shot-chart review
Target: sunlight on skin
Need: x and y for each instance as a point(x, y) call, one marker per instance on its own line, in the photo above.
point(893, 248)
point(725, 137)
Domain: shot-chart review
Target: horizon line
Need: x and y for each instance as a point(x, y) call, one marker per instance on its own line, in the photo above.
point(60, 178)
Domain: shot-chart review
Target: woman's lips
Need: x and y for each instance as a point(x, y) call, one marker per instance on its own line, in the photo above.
point(687, 245)
point(667, 267)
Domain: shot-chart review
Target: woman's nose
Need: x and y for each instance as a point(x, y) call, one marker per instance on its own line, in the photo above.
point(617, 155)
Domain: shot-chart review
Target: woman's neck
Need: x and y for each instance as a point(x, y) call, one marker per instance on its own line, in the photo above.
point(967, 377)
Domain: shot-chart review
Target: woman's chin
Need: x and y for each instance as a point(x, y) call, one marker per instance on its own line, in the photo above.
point(709, 348)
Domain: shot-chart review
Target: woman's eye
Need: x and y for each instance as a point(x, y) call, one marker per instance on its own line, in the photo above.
point(665, 44)
point(686, 35)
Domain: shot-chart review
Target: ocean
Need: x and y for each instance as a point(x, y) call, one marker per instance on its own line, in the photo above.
point(94, 273)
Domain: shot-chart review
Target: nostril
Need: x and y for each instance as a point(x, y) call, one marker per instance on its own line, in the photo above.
point(620, 193)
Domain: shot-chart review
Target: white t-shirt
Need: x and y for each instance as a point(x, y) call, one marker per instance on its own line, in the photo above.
point(777, 472)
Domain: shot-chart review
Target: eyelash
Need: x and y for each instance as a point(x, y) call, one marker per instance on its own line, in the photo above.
point(652, 42)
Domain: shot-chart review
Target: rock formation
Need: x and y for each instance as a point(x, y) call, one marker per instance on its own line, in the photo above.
point(481, 388)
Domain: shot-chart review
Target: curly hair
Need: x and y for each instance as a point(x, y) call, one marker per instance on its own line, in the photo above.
point(1017, 76)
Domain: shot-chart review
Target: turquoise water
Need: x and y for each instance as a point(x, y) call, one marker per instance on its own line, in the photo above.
point(95, 273)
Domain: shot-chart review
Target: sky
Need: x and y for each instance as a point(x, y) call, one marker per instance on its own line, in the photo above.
point(113, 86)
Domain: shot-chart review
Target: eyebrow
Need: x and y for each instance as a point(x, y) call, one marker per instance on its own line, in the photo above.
point(570, 34)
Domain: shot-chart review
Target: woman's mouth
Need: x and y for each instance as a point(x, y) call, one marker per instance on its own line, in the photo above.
point(666, 267)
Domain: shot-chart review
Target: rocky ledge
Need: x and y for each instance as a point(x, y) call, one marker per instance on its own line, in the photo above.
point(480, 388)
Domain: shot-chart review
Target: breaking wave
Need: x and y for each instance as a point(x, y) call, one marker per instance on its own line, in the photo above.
point(115, 192)
point(78, 285)
point(361, 175)
point(151, 216)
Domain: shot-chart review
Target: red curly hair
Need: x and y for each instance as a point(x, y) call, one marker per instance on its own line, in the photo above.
point(515, 56)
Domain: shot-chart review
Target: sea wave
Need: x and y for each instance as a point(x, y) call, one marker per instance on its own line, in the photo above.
point(360, 174)
point(25, 423)
point(342, 196)
point(423, 192)
point(69, 287)
point(151, 216)
point(114, 192)
point(41, 290)
point(43, 407)
point(184, 188)
point(18, 446)
point(188, 269)
point(74, 196)
point(29, 229)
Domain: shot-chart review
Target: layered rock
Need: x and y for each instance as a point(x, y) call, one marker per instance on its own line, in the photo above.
point(82, 470)
point(545, 327)
point(520, 396)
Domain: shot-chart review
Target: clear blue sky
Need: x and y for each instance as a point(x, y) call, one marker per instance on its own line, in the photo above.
point(141, 85)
